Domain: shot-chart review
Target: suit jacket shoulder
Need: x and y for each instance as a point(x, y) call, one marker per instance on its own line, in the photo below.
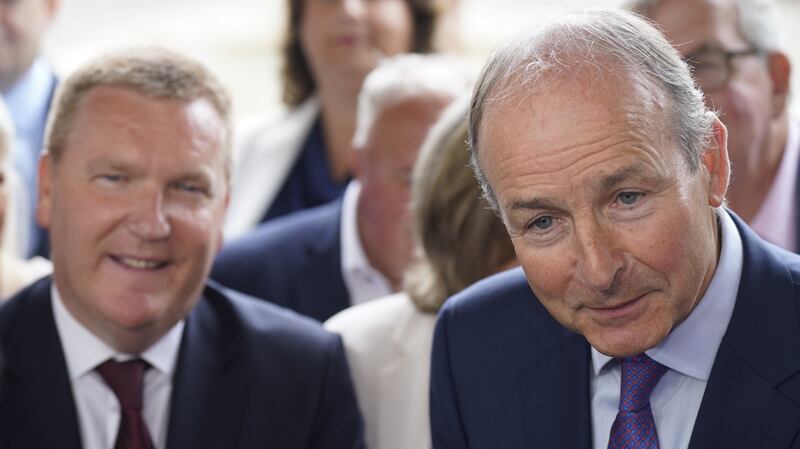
point(264, 152)
point(293, 261)
point(254, 375)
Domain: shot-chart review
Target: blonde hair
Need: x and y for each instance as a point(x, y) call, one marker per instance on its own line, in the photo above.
point(153, 72)
point(459, 239)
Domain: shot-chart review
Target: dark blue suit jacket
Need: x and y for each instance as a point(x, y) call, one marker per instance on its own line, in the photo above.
point(505, 374)
point(249, 375)
point(293, 261)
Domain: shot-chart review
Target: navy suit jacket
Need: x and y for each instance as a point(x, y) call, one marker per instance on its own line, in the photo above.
point(505, 374)
point(293, 261)
point(249, 375)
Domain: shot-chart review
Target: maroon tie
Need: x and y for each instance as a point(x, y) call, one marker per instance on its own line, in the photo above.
point(126, 379)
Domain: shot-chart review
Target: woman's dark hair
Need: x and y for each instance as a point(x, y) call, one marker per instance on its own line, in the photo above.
point(296, 76)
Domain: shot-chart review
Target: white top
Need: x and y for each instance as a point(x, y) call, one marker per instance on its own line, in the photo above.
point(97, 407)
point(775, 220)
point(363, 282)
point(689, 352)
point(388, 344)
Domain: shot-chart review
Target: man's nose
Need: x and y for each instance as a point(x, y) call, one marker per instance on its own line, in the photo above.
point(599, 260)
point(148, 219)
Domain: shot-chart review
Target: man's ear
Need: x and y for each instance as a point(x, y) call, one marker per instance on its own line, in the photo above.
point(45, 188)
point(780, 71)
point(717, 165)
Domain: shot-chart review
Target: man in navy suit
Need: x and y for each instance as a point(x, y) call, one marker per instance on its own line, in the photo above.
point(325, 259)
point(127, 346)
point(645, 315)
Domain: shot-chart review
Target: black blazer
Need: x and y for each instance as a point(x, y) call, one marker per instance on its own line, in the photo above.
point(505, 374)
point(249, 375)
point(293, 261)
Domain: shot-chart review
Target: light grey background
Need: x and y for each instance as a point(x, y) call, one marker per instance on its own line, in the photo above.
point(239, 39)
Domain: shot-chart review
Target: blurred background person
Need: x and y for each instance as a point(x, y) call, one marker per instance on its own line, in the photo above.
point(458, 240)
point(354, 249)
point(737, 57)
point(302, 160)
point(15, 271)
point(27, 83)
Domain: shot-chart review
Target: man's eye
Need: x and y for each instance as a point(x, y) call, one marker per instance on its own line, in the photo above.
point(542, 223)
point(628, 198)
point(111, 178)
point(190, 187)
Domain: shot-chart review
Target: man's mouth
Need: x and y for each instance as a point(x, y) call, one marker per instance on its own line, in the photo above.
point(140, 263)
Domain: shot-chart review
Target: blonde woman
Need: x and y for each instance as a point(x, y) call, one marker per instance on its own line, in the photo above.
point(15, 271)
point(458, 241)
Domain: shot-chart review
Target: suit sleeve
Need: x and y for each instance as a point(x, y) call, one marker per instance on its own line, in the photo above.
point(447, 430)
point(338, 424)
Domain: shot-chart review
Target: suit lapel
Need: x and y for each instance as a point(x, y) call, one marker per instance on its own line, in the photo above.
point(748, 399)
point(38, 409)
point(210, 382)
point(555, 395)
point(327, 295)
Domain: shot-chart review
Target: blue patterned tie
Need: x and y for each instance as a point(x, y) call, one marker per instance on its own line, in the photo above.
point(634, 427)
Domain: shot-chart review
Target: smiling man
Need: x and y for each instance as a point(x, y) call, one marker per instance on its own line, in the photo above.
point(127, 346)
point(645, 314)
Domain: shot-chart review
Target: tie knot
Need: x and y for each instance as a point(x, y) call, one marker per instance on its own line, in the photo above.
point(125, 379)
point(640, 374)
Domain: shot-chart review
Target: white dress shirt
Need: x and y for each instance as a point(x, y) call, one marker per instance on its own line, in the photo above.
point(97, 407)
point(363, 282)
point(688, 353)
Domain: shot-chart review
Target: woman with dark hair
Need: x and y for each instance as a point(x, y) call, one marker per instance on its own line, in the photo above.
point(458, 241)
point(303, 159)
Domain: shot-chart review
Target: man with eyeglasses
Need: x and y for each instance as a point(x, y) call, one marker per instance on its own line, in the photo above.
point(734, 49)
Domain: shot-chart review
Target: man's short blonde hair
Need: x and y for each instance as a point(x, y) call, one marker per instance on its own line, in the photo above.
point(153, 72)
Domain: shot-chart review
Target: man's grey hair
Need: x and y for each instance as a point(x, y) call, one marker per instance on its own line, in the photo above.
point(757, 20)
point(406, 77)
point(152, 72)
point(612, 42)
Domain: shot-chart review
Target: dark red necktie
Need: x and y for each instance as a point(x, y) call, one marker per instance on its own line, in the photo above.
point(126, 380)
point(635, 427)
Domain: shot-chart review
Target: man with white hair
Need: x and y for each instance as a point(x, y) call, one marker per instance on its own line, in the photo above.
point(645, 315)
point(735, 51)
point(325, 259)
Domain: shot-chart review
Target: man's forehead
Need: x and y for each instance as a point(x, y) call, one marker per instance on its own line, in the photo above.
point(693, 25)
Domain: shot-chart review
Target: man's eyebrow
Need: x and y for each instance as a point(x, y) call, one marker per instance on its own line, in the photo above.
point(533, 204)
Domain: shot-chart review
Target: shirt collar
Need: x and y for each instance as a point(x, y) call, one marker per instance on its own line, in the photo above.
point(28, 99)
point(692, 346)
point(83, 350)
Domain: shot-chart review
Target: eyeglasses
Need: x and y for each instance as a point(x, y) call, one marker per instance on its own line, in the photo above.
point(712, 68)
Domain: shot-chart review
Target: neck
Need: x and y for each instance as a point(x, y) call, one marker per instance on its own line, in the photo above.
point(339, 124)
point(377, 255)
point(753, 181)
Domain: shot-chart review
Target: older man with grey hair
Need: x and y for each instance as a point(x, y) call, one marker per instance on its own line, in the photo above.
point(734, 48)
point(355, 249)
point(645, 315)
